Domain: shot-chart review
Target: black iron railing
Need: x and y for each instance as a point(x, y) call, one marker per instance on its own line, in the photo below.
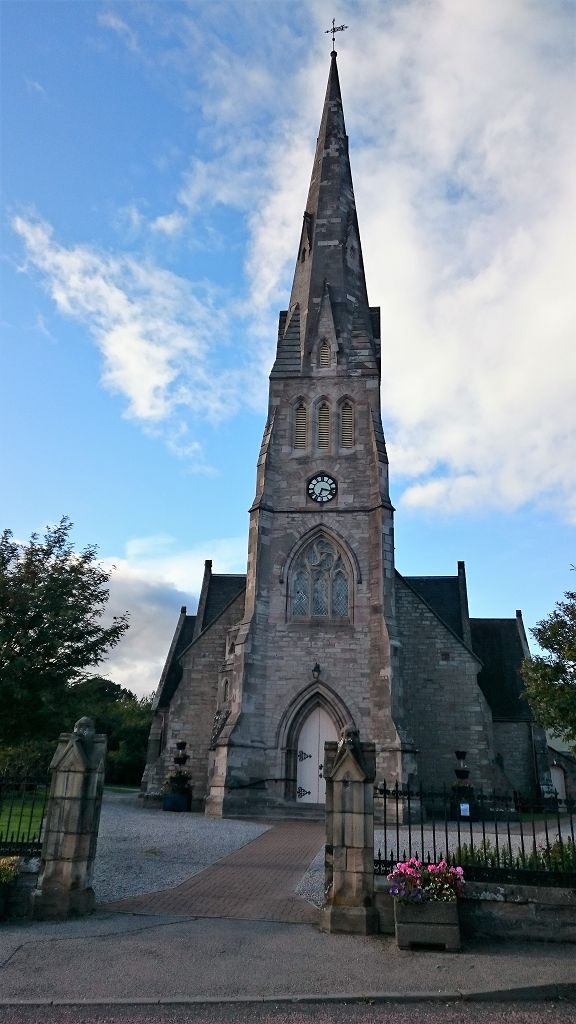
point(493, 836)
point(22, 809)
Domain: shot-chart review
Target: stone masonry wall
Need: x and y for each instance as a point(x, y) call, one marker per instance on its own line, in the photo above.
point(196, 701)
point(444, 706)
point(513, 747)
point(276, 655)
point(525, 913)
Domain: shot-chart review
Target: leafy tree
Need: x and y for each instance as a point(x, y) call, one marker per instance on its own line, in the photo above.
point(124, 717)
point(52, 600)
point(117, 712)
point(551, 680)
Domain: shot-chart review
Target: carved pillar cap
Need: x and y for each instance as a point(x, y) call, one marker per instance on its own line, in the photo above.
point(350, 748)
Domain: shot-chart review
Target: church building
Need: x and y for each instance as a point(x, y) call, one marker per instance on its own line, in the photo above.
point(322, 630)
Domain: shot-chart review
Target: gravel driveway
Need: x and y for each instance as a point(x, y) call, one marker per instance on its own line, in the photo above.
point(144, 849)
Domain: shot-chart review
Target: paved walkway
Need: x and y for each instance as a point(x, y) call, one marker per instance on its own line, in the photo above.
point(237, 931)
point(256, 883)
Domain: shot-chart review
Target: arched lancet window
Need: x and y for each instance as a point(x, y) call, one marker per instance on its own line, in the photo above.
point(226, 691)
point(300, 432)
point(324, 354)
point(346, 425)
point(323, 425)
point(319, 584)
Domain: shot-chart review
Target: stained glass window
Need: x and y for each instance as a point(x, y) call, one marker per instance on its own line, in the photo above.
point(320, 583)
point(301, 601)
point(339, 594)
point(320, 593)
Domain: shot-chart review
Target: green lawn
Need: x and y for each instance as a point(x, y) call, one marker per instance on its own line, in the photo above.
point(20, 814)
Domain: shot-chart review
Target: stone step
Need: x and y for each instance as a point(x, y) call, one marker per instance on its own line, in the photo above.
point(302, 812)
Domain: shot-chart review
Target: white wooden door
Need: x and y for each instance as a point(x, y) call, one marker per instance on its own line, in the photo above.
point(559, 782)
point(316, 730)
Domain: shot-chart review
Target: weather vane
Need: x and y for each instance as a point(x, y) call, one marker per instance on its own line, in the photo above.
point(335, 28)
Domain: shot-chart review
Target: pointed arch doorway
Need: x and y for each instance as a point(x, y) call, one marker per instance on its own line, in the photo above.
point(317, 728)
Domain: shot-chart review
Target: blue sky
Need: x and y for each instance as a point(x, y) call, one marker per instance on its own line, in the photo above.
point(155, 165)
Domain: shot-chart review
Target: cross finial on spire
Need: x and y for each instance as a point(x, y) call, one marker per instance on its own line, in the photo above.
point(335, 28)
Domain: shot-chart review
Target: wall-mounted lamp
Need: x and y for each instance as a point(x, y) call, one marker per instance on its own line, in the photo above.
point(316, 672)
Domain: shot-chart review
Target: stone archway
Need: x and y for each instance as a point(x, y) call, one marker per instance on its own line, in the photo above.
point(298, 718)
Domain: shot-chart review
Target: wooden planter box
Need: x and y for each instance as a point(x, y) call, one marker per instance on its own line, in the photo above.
point(427, 924)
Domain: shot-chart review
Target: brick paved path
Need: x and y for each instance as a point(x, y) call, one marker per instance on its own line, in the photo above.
point(255, 883)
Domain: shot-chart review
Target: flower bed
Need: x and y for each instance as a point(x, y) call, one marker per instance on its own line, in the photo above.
point(416, 882)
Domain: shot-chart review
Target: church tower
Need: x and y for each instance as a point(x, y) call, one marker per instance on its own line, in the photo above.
point(317, 645)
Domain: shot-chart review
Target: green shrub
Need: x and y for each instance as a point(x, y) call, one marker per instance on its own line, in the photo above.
point(28, 760)
point(558, 856)
point(9, 867)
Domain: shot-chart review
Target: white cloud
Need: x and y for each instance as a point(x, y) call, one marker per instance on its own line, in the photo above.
point(462, 145)
point(169, 223)
point(462, 148)
point(153, 580)
point(107, 19)
point(34, 87)
point(130, 220)
point(158, 335)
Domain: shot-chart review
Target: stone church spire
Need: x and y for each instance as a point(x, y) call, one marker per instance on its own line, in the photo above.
point(329, 298)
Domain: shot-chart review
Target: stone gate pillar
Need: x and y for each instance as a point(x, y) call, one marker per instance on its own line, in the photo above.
point(71, 824)
point(349, 770)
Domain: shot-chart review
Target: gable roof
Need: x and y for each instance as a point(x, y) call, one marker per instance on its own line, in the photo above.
point(221, 591)
point(498, 643)
point(171, 672)
point(500, 646)
point(442, 594)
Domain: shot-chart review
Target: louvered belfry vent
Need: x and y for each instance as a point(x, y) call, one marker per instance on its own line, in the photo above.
point(323, 425)
point(300, 426)
point(325, 356)
point(346, 426)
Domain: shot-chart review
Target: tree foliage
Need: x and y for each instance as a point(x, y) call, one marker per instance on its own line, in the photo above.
point(550, 680)
point(52, 602)
point(117, 712)
point(123, 717)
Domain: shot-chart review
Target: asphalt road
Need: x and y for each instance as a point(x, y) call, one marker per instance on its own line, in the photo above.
point(557, 1012)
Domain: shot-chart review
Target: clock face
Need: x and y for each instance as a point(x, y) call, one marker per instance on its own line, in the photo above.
point(322, 488)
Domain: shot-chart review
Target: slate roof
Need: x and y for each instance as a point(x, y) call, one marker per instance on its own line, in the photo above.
point(172, 672)
point(186, 634)
point(442, 593)
point(221, 591)
point(498, 644)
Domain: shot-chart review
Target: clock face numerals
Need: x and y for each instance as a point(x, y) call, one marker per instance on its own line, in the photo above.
point(322, 488)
